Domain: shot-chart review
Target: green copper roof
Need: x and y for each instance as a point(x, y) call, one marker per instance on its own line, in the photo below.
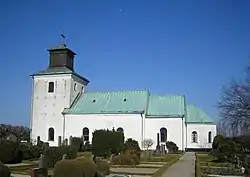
point(136, 102)
point(196, 115)
point(119, 102)
point(166, 106)
point(58, 70)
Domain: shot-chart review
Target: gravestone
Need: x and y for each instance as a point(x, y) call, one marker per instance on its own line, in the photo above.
point(64, 156)
point(38, 140)
point(158, 148)
point(59, 140)
point(42, 162)
point(42, 170)
point(65, 142)
point(39, 172)
point(70, 140)
point(111, 158)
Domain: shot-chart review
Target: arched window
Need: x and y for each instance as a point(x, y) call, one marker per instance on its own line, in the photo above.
point(194, 137)
point(85, 134)
point(209, 137)
point(51, 134)
point(120, 129)
point(51, 87)
point(163, 134)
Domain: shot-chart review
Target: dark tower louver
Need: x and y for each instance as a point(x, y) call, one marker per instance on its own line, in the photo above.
point(61, 56)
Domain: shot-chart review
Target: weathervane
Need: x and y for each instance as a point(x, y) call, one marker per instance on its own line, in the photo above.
point(62, 38)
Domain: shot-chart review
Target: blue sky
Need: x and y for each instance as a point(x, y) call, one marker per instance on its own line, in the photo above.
point(169, 47)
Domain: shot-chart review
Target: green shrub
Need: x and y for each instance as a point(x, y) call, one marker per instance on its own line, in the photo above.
point(10, 152)
point(103, 167)
point(4, 170)
point(54, 154)
point(132, 146)
point(126, 159)
point(78, 167)
point(67, 168)
point(87, 166)
point(135, 158)
point(172, 147)
point(106, 142)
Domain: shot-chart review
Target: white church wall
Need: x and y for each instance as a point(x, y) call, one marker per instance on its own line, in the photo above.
point(131, 124)
point(202, 132)
point(47, 107)
point(175, 130)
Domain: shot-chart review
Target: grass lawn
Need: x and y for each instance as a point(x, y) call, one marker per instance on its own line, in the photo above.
point(162, 158)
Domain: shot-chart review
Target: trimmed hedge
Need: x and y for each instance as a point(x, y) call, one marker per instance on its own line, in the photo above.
point(10, 152)
point(77, 167)
point(54, 154)
point(106, 142)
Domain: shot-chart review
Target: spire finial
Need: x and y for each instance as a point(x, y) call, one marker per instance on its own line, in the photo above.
point(62, 38)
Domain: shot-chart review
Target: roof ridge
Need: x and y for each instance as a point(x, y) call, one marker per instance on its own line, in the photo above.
point(164, 95)
point(117, 91)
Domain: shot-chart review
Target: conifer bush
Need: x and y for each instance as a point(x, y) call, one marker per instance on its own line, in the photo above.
point(10, 152)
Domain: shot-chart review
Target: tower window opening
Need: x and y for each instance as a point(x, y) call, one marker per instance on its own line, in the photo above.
point(51, 87)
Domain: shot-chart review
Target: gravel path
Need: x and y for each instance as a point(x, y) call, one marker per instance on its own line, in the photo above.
point(184, 167)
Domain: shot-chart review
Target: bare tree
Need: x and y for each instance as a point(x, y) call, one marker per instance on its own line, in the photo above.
point(147, 143)
point(19, 132)
point(235, 108)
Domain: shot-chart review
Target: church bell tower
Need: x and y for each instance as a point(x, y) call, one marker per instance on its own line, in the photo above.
point(54, 89)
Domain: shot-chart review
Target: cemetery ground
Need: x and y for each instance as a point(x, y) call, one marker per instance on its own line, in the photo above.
point(152, 166)
point(207, 165)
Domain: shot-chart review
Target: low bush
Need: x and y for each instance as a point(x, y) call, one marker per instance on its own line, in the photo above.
point(4, 170)
point(103, 167)
point(126, 159)
point(78, 167)
point(132, 146)
point(87, 166)
point(54, 154)
point(172, 147)
point(10, 152)
point(67, 168)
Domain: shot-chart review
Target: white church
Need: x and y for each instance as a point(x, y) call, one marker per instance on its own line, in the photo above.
point(61, 107)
